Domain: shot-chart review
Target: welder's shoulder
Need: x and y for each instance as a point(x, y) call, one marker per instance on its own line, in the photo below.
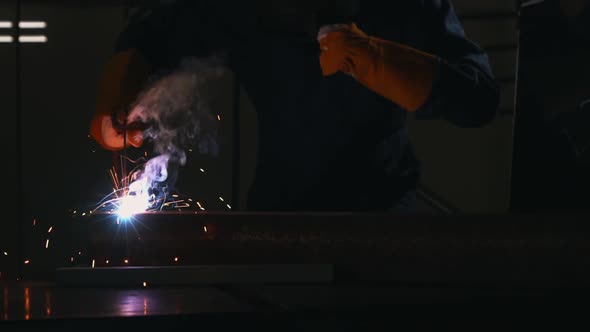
point(169, 19)
point(147, 12)
point(145, 22)
point(150, 28)
point(436, 4)
point(440, 11)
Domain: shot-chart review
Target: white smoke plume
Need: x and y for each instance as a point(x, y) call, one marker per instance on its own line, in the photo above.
point(175, 108)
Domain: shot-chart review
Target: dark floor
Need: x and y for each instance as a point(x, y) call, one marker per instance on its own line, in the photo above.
point(334, 307)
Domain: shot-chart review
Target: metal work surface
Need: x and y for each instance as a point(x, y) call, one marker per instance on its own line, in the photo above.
point(504, 271)
point(531, 250)
point(194, 275)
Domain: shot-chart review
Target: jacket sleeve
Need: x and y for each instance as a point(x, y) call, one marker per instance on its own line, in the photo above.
point(465, 91)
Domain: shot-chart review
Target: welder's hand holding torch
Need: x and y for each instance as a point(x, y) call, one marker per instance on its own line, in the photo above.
point(122, 79)
point(397, 72)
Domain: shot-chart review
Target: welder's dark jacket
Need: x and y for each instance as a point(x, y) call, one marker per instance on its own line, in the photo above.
point(327, 143)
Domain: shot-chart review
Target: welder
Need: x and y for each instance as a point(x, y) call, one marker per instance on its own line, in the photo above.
point(332, 83)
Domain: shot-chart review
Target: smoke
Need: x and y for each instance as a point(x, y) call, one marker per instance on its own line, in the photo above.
point(175, 109)
point(145, 187)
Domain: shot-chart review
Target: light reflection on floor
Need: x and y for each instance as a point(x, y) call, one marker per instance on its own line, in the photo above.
point(33, 302)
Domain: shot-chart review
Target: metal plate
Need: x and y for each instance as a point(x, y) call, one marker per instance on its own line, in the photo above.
point(188, 275)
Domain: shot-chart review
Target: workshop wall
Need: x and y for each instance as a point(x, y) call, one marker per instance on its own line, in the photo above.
point(8, 225)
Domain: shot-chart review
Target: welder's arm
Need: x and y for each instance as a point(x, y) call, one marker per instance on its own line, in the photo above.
point(122, 79)
point(452, 81)
point(397, 72)
point(139, 49)
point(465, 91)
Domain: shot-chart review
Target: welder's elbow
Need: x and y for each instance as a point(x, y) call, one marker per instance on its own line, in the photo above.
point(476, 109)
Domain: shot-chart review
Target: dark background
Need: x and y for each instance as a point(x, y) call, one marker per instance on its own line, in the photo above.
point(465, 170)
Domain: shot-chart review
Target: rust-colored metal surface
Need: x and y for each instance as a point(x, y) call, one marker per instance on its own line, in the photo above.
point(530, 250)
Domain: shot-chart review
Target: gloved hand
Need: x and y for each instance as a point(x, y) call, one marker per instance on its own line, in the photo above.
point(122, 79)
point(397, 72)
